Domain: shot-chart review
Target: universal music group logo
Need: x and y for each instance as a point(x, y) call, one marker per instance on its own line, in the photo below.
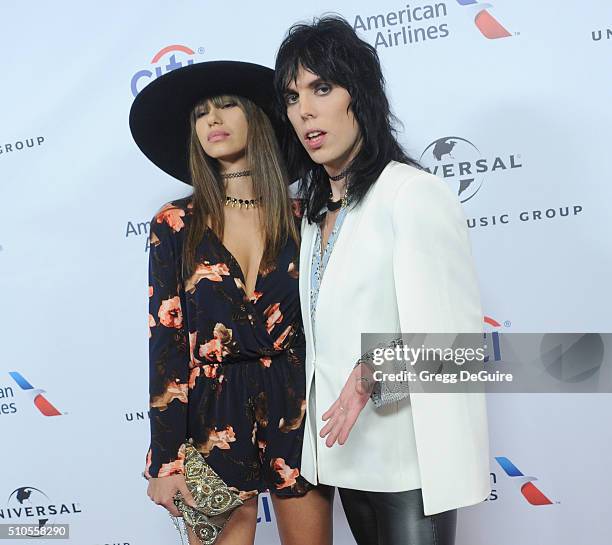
point(601, 34)
point(465, 168)
point(460, 163)
point(30, 505)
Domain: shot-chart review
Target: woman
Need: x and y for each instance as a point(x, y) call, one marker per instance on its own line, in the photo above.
point(226, 338)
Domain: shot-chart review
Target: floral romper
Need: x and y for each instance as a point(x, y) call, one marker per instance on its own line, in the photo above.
point(226, 371)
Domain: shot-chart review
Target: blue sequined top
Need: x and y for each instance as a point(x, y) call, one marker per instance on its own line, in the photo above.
point(319, 262)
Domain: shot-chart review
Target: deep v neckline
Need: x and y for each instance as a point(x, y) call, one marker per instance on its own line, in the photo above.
point(237, 264)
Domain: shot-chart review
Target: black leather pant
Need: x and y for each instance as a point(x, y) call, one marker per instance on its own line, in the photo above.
point(395, 518)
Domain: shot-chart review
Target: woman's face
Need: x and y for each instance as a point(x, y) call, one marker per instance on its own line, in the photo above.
point(222, 130)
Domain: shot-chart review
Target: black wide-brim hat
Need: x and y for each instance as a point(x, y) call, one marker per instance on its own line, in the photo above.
point(159, 117)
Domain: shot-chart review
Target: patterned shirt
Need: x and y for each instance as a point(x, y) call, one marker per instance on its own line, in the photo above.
point(319, 261)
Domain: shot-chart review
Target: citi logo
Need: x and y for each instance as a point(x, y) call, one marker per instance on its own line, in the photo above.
point(36, 394)
point(488, 25)
point(529, 490)
point(491, 339)
point(265, 516)
point(165, 60)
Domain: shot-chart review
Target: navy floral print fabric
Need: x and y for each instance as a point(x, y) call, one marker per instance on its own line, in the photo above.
point(226, 370)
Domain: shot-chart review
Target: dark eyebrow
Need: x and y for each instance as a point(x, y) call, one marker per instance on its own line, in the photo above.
point(316, 82)
point(311, 85)
point(288, 88)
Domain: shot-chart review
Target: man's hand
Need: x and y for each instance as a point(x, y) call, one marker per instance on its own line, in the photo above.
point(343, 413)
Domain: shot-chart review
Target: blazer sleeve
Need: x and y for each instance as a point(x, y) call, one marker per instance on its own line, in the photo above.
point(384, 392)
point(168, 352)
point(435, 280)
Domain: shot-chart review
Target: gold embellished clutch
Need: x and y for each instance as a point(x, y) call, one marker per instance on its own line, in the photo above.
point(215, 501)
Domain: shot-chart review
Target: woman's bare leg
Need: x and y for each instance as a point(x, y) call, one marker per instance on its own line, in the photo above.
point(307, 519)
point(239, 530)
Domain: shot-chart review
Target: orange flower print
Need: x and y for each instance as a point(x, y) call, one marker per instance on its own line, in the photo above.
point(265, 361)
point(153, 239)
point(210, 370)
point(284, 472)
point(260, 407)
point(239, 284)
point(147, 475)
point(151, 319)
point(174, 467)
point(289, 424)
point(278, 344)
point(214, 273)
point(223, 438)
point(170, 313)
point(256, 296)
point(265, 271)
point(174, 390)
point(220, 439)
point(193, 375)
point(244, 495)
point(151, 324)
point(273, 316)
point(172, 216)
point(193, 361)
point(217, 348)
point(293, 270)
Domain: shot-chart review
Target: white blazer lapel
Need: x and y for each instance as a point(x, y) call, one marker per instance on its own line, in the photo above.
point(342, 248)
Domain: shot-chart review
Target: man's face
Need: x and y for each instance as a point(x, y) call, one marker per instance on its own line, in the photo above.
point(320, 115)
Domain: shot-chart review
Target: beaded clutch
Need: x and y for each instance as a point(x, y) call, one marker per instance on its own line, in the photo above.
point(215, 501)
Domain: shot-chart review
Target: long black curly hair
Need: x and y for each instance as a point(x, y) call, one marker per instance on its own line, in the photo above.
point(330, 48)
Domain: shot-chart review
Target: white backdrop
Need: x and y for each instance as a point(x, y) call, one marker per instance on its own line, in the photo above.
point(533, 106)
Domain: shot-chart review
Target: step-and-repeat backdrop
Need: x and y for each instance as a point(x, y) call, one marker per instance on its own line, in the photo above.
point(509, 102)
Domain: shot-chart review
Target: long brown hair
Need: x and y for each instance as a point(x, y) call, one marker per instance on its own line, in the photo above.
point(269, 181)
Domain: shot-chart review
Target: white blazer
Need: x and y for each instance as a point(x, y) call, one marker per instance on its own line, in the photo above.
point(402, 262)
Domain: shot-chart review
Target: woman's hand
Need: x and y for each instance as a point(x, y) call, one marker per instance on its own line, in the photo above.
point(162, 490)
point(343, 414)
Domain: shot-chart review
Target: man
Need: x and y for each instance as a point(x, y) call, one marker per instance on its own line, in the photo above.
point(384, 249)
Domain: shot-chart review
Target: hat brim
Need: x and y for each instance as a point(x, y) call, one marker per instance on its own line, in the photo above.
point(159, 117)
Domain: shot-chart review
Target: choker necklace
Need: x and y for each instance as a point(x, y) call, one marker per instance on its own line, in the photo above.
point(247, 203)
point(239, 174)
point(339, 176)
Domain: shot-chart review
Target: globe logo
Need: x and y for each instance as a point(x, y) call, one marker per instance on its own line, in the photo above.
point(29, 502)
point(458, 162)
point(572, 357)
